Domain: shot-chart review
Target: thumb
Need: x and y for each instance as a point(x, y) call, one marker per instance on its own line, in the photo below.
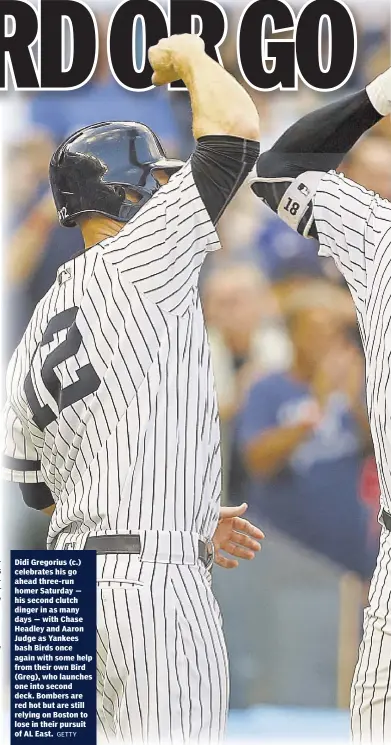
point(229, 512)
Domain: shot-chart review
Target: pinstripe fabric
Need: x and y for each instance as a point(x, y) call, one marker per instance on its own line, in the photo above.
point(139, 452)
point(354, 226)
point(371, 688)
point(178, 691)
point(143, 449)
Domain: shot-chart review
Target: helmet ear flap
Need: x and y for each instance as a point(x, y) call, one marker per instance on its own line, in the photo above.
point(96, 167)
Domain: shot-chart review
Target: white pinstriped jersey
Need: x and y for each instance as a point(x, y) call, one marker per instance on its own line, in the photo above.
point(110, 395)
point(354, 227)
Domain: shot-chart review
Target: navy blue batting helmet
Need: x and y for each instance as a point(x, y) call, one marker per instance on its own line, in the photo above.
point(95, 167)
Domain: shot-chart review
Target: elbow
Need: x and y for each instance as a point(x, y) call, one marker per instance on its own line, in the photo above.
point(247, 127)
point(270, 165)
point(243, 120)
point(241, 124)
point(251, 131)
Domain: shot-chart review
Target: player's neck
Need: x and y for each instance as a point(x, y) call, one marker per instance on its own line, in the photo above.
point(97, 229)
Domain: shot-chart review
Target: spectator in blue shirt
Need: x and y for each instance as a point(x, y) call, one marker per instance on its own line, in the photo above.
point(303, 434)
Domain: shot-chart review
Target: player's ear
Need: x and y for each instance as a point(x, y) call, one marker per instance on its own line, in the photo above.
point(132, 196)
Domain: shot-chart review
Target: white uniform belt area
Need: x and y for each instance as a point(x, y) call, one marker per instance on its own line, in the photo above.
point(157, 546)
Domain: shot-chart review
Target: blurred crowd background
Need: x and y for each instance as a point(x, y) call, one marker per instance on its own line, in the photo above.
point(289, 373)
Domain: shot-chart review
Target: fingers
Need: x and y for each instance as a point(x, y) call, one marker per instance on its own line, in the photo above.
point(230, 512)
point(225, 563)
point(153, 55)
point(161, 62)
point(246, 527)
point(241, 552)
point(156, 52)
point(243, 540)
point(163, 76)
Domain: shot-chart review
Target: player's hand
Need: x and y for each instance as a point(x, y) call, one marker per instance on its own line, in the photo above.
point(235, 536)
point(168, 55)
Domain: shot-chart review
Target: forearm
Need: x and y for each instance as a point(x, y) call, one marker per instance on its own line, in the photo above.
point(270, 452)
point(320, 140)
point(290, 172)
point(330, 132)
point(220, 105)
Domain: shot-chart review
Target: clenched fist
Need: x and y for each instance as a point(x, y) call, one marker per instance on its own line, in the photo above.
point(168, 56)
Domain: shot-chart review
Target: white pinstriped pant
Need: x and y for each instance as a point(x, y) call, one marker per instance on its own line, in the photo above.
point(371, 688)
point(162, 668)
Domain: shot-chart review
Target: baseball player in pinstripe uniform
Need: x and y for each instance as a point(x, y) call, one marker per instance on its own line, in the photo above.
point(111, 417)
point(296, 178)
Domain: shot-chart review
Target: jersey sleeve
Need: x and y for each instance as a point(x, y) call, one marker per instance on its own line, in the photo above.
point(161, 250)
point(347, 224)
point(20, 458)
point(21, 461)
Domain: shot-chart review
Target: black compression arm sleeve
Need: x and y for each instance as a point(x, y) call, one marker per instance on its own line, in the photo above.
point(320, 140)
point(37, 496)
point(220, 164)
point(317, 142)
